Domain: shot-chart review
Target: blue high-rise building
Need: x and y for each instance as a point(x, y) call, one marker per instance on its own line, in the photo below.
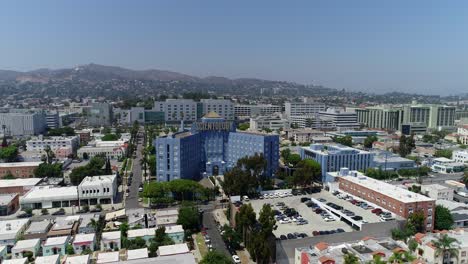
point(211, 147)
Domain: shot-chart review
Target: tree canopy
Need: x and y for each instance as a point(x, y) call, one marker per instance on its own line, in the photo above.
point(215, 257)
point(48, 170)
point(246, 176)
point(9, 154)
point(110, 137)
point(443, 153)
point(369, 141)
point(93, 168)
point(67, 131)
point(443, 218)
point(346, 140)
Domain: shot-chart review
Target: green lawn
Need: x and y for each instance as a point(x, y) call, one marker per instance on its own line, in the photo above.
point(201, 244)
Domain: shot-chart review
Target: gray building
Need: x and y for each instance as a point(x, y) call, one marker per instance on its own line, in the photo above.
point(224, 108)
point(23, 124)
point(100, 114)
point(256, 110)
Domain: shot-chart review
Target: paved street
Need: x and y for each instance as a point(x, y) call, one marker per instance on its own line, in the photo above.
point(132, 200)
point(210, 225)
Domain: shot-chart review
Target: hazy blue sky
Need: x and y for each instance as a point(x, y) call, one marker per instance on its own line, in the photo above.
point(377, 46)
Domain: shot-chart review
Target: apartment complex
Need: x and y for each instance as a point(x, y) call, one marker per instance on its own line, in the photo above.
point(397, 200)
point(176, 110)
point(212, 146)
point(333, 157)
point(40, 143)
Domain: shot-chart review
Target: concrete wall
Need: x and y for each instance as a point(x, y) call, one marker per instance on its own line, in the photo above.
point(285, 248)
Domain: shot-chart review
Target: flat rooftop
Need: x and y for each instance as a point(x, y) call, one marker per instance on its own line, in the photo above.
point(19, 182)
point(54, 241)
point(108, 257)
point(82, 238)
point(20, 164)
point(6, 199)
point(40, 227)
point(93, 180)
point(174, 229)
point(81, 259)
point(50, 193)
point(10, 228)
point(26, 244)
point(47, 259)
point(384, 188)
point(111, 235)
point(137, 253)
point(173, 249)
point(133, 233)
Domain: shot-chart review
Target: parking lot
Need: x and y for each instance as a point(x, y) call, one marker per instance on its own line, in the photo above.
point(315, 221)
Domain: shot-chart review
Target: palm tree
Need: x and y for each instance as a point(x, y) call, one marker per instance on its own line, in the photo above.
point(401, 257)
point(49, 154)
point(350, 258)
point(447, 246)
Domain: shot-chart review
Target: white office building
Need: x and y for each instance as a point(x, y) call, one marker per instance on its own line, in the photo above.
point(39, 143)
point(98, 189)
point(176, 110)
point(460, 156)
point(274, 122)
point(23, 124)
point(303, 108)
point(333, 157)
point(338, 119)
point(437, 192)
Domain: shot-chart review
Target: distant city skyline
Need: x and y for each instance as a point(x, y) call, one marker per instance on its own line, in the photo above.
point(375, 47)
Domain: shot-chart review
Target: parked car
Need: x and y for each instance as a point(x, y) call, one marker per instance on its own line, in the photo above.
point(357, 217)
point(377, 211)
point(305, 199)
point(59, 212)
point(236, 259)
point(285, 220)
point(283, 237)
point(329, 219)
point(290, 236)
point(24, 215)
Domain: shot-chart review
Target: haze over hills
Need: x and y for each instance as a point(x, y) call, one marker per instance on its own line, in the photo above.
point(95, 73)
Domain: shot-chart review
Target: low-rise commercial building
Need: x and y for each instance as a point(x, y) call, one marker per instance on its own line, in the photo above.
point(303, 135)
point(20, 186)
point(92, 190)
point(256, 110)
point(19, 169)
point(271, 122)
point(38, 229)
point(9, 203)
point(167, 217)
point(437, 192)
point(111, 152)
point(395, 199)
point(388, 161)
point(173, 249)
point(444, 165)
point(460, 156)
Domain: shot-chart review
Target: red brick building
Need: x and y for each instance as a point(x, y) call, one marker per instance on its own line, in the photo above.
point(19, 169)
point(392, 198)
point(20, 186)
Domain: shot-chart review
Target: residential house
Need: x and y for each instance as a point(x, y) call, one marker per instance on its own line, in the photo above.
point(84, 242)
point(53, 259)
point(145, 233)
point(110, 240)
point(55, 245)
point(28, 245)
point(176, 233)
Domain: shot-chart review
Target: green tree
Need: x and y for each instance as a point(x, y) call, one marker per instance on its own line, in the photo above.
point(110, 137)
point(69, 250)
point(152, 164)
point(306, 172)
point(412, 245)
point(135, 243)
point(350, 258)
point(246, 217)
point(443, 218)
point(259, 246)
point(48, 170)
point(93, 168)
point(403, 148)
point(346, 140)
point(215, 257)
point(67, 131)
point(9, 154)
point(401, 257)
point(189, 218)
point(293, 159)
point(44, 211)
point(246, 176)
point(447, 247)
point(243, 126)
point(231, 236)
point(369, 141)
point(285, 153)
point(416, 220)
point(443, 153)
